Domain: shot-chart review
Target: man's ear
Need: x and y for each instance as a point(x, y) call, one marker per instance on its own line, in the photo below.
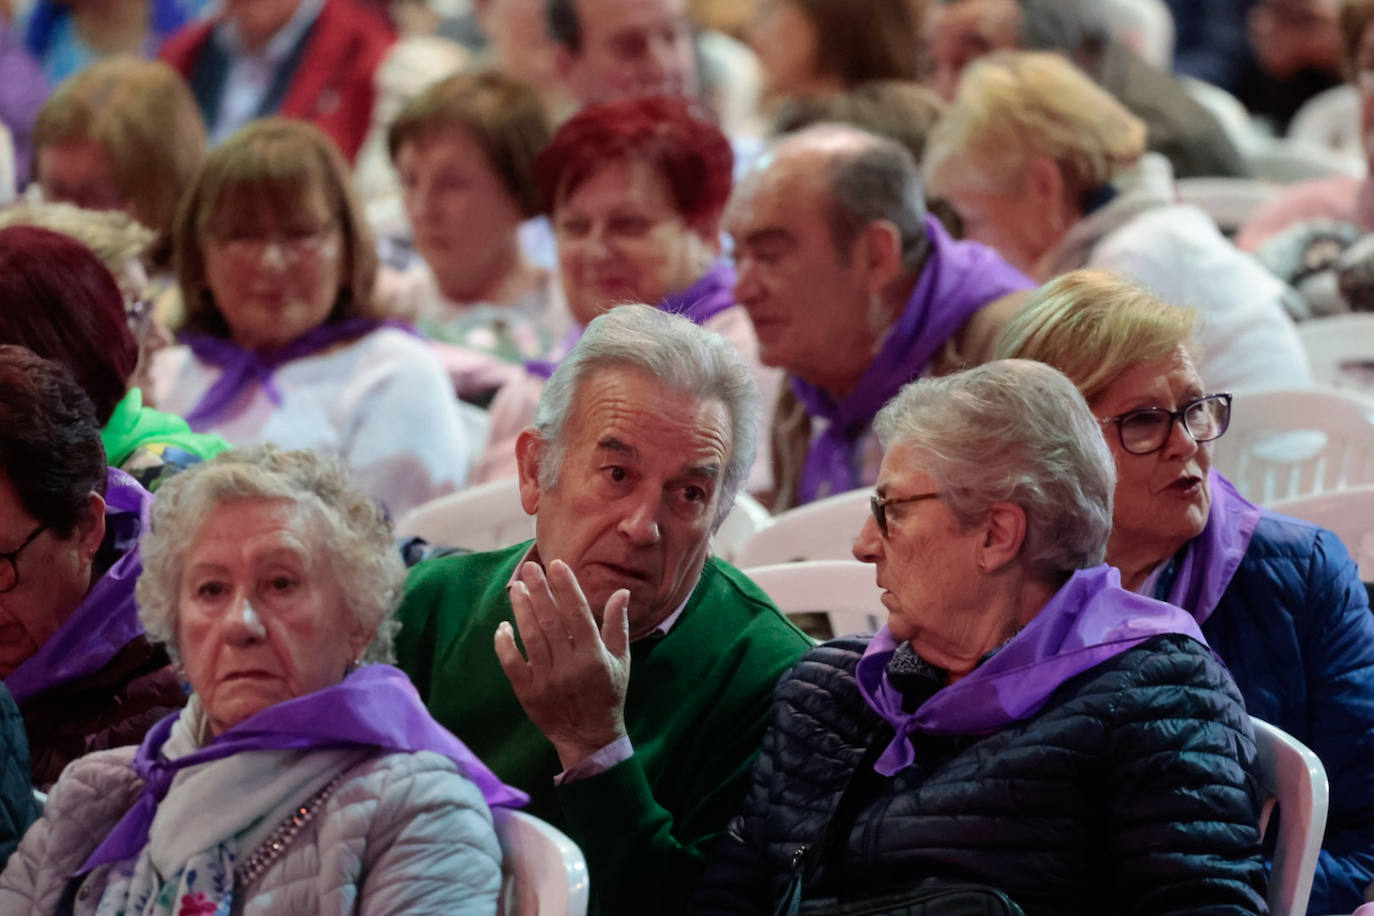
point(879, 254)
point(90, 527)
point(530, 449)
point(1003, 534)
point(1045, 186)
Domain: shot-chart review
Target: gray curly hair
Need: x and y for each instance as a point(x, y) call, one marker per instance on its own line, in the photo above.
point(362, 555)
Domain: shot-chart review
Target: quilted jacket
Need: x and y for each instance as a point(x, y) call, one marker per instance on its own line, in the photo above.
point(1129, 791)
point(1295, 629)
point(17, 805)
point(402, 833)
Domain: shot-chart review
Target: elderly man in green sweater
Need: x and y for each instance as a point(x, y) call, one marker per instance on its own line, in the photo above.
point(612, 668)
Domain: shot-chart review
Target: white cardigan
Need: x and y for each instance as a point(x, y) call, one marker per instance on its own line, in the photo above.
point(383, 403)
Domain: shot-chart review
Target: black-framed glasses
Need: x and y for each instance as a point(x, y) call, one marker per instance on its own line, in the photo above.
point(879, 506)
point(1144, 431)
point(9, 567)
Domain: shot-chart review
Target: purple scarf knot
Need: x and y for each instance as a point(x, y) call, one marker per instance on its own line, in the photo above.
point(243, 368)
point(1209, 561)
point(375, 707)
point(958, 279)
point(1090, 620)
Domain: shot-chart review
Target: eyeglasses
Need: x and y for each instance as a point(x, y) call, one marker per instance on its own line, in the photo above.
point(879, 504)
point(294, 244)
point(9, 569)
point(1144, 431)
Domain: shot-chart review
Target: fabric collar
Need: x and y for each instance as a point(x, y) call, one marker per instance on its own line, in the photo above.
point(280, 44)
point(958, 279)
point(1090, 620)
point(1209, 561)
point(375, 707)
point(106, 620)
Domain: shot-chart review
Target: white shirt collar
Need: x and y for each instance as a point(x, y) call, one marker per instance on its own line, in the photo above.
point(280, 44)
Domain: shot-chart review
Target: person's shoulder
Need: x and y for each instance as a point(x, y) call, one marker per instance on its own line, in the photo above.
point(464, 574)
point(421, 780)
point(740, 608)
point(1166, 675)
point(91, 785)
point(359, 21)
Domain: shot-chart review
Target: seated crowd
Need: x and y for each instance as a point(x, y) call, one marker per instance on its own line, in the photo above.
point(639, 273)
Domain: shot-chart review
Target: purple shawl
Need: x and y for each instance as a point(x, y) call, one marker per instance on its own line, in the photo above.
point(375, 707)
point(1209, 561)
point(243, 367)
point(1089, 620)
point(711, 294)
point(957, 280)
point(106, 620)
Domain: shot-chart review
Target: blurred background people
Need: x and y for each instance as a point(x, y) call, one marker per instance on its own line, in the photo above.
point(282, 341)
point(299, 778)
point(1297, 48)
point(1278, 599)
point(610, 49)
point(73, 652)
point(22, 91)
point(67, 37)
point(1045, 166)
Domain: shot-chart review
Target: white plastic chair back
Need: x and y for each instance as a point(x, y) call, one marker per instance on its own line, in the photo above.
point(845, 591)
point(543, 873)
point(1330, 119)
point(822, 530)
point(1296, 780)
point(485, 517)
point(1287, 443)
point(746, 519)
point(1144, 26)
point(1228, 201)
point(1235, 120)
point(1289, 161)
point(1341, 351)
point(1348, 513)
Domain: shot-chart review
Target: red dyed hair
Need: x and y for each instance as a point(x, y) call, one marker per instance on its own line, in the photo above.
point(691, 153)
point(58, 300)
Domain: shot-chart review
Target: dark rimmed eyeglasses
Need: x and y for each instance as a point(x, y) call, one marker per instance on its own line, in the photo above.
point(879, 506)
point(9, 567)
point(1144, 431)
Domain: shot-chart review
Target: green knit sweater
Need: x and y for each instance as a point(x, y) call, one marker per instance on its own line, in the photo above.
point(696, 711)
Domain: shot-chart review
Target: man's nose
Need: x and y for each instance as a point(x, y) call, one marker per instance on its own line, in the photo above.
point(640, 523)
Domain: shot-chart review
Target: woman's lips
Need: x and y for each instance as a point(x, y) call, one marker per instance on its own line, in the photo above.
point(1186, 486)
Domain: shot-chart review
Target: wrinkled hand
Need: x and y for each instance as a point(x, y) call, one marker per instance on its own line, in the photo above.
point(572, 678)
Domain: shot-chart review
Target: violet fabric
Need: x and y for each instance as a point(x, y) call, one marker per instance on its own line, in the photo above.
point(243, 367)
point(106, 620)
point(957, 280)
point(1089, 620)
point(376, 707)
point(711, 294)
point(1209, 561)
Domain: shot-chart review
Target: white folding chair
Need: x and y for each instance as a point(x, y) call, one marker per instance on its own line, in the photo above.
point(844, 591)
point(1341, 350)
point(1230, 113)
point(1348, 513)
point(822, 530)
point(1144, 26)
point(1330, 119)
point(543, 872)
point(746, 519)
point(1287, 443)
point(1228, 201)
point(1295, 781)
point(1289, 161)
point(485, 517)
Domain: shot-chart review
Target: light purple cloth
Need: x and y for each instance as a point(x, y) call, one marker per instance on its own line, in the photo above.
point(375, 707)
point(1209, 561)
point(1090, 620)
point(23, 89)
point(106, 620)
point(957, 280)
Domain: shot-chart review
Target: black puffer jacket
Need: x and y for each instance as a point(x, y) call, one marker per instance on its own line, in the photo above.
point(1128, 792)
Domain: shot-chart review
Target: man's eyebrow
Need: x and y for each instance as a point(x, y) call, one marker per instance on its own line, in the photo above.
point(772, 234)
point(709, 471)
point(612, 444)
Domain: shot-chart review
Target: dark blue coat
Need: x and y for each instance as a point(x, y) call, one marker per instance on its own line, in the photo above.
point(17, 806)
point(1294, 627)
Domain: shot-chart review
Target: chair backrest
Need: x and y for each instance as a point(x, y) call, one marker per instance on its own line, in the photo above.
point(1295, 779)
point(1228, 201)
point(843, 592)
point(543, 872)
point(746, 519)
point(485, 517)
point(1348, 513)
point(1341, 350)
point(822, 530)
point(1287, 443)
point(1231, 114)
point(1289, 161)
point(1144, 26)
point(1330, 119)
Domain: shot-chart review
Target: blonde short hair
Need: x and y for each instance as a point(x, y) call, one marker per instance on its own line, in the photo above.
point(1017, 105)
point(1092, 326)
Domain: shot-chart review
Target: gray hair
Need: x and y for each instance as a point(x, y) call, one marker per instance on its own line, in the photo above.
point(362, 556)
point(1078, 28)
point(1013, 431)
point(682, 356)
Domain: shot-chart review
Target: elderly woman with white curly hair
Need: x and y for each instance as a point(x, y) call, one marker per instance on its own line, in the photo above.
point(304, 776)
point(1023, 727)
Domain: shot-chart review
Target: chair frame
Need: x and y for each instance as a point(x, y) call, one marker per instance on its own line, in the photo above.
point(532, 884)
point(809, 532)
point(844, 590)
point(1296, 781)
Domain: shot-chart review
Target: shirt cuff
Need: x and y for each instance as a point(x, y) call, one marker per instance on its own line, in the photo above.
point(618, 751)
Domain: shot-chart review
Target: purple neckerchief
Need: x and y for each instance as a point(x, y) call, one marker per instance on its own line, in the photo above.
point(106, 620)
point(957, 280)
point(1089, 620)
point(375, 707)
point(1209, 561)
point(711, 294)
point(243, 367)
